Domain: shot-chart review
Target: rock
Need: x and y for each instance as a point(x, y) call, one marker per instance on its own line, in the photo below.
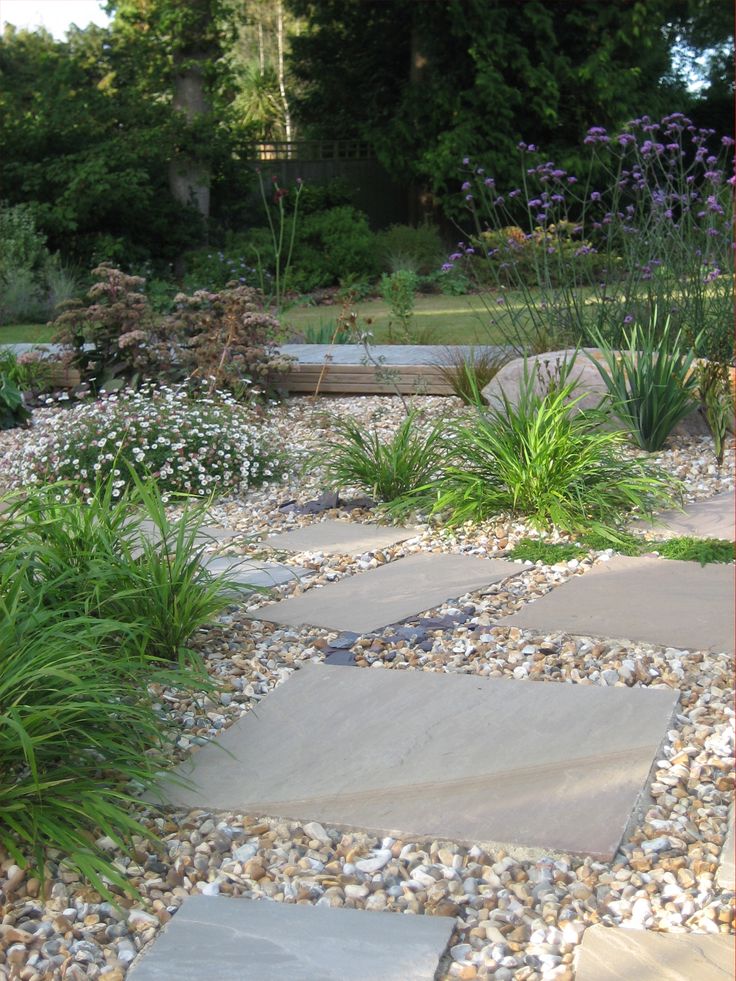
point(380, 858)
point(589, 386)
point(315, 830)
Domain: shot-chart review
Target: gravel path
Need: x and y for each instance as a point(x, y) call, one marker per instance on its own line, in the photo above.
point(515, 919)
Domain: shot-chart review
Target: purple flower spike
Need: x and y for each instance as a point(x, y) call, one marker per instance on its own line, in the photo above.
point(465, 186)
point(489, 182)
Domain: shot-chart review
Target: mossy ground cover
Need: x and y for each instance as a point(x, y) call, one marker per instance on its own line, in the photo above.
point(703, 550)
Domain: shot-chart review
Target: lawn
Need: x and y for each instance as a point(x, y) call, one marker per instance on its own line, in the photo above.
point(437, 320)
point(26, 334)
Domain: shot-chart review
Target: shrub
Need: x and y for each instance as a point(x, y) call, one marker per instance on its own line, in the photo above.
point(332, 245)
point(115, 336)
point(226, 338)
point(387, 470)
point(541, 459)
point(189, 444)
point(418, 249)
point(650, 382)
point(468, 372)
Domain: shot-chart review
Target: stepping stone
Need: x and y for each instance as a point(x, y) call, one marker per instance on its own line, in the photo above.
point(206, 535)
point(617, 954)
point(339, 537)
point(725, 876)
point(249, 573)
point(261, 940)
point(658, 601)
point(712, 518)
point(418, 754)
point(392, 592)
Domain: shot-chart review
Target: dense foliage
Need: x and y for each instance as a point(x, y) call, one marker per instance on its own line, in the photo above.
point(88, 628)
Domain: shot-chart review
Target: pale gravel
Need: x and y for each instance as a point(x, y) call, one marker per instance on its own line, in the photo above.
point(515, 919)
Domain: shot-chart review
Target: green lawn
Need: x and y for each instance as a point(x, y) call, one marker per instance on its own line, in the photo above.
point(437, 320)
point(25, 334)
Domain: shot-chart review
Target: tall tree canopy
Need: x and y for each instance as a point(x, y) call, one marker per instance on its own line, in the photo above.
point(428, 83)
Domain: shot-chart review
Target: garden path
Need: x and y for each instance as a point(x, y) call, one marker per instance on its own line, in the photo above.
point(541, 768)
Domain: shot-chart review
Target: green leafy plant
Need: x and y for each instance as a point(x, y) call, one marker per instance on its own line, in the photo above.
point(398, 291)
point(650, 381)
point(91, 615)
point(325, 333)
point(713, 380)
point(333, 245)
point(467, 372)
point(702, 550)
point(540, 458)
point(388, 469)
point(13, 411)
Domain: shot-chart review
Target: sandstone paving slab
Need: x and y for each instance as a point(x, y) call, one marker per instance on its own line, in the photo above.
point(339, 537)
point(527, 764)
point(259, 574)
point(390, 593)
point(616, 954)
point(711, 518)
point(658, 601)
point(206, 535)
point(725, 876)
point(259, 940)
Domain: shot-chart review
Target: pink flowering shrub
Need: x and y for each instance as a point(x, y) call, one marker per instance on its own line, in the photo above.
point(199, 446)
point(116, 335)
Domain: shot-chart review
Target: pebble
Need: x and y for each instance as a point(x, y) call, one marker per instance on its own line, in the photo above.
point(516, 919)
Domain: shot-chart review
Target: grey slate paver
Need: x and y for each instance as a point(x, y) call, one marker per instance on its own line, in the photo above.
point(231, 939)
point(725, 876)
point(206, 535)
point(617, 954)
point(391, 354)
point(339, 537)
point(658, 601)
point(532, 765)
point(392, 592)
point(250, 573)
point(712, 518)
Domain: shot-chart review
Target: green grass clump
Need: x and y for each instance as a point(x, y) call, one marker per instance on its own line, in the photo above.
point(385, 469)
point(534, 550)
point(650, 382)
point(542, 459)
point(92, 621)
point(702, 550)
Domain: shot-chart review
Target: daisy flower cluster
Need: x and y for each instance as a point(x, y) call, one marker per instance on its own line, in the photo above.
point(189, 444)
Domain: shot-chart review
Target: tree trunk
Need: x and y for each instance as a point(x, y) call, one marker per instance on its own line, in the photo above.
point(189, 178)
point(282, 81)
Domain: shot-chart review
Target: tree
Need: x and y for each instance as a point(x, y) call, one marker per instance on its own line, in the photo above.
point(428, 83)
point(86, 148)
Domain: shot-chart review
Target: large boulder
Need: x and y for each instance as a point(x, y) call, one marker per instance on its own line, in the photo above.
point(589, 386)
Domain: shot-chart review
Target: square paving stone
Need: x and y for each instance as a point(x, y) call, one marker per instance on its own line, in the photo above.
point(616, 954)
point(258, 940)
point(712, 518)
point(658, 601)
point(528, 764)
point(249, 573)
point(339, 537)
point(392, 592)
